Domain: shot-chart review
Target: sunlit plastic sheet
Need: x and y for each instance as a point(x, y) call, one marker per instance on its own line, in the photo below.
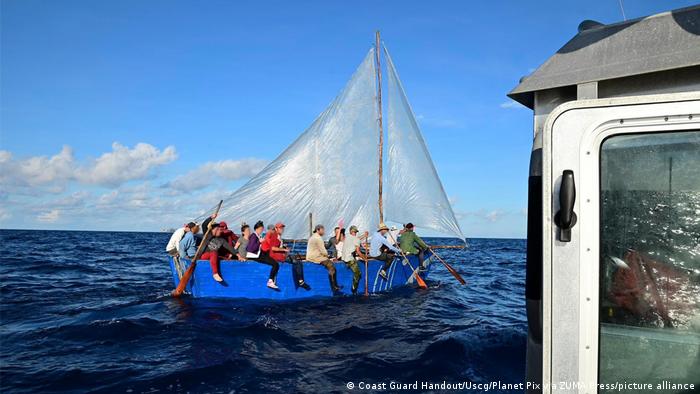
point(413, 191)
point(330, 171)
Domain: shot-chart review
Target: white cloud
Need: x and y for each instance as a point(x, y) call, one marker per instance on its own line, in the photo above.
point(49, 216)
point(210, 172)
point(510, 104)
point(110, 169)
point(124, 164)
point(494, 216)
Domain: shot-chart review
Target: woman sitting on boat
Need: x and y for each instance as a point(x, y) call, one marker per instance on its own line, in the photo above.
point(254, 252)
point(242, 242)
point(217, 247)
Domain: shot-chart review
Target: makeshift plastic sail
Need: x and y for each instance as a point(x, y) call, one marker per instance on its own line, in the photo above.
point(414, 192)
point(331, 171)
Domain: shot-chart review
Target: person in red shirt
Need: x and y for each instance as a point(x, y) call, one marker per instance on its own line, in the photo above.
point(227, 234)
point(272, 245)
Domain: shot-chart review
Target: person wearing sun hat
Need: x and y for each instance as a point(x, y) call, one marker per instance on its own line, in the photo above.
point(382, 249)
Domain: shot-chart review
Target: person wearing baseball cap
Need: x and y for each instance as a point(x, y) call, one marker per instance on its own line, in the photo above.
point(349, 253)
point(274, 246)
point(381, 249)
point(412, 244)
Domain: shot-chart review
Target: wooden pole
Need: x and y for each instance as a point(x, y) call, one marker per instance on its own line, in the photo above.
point(381, 127)
point(311, 223)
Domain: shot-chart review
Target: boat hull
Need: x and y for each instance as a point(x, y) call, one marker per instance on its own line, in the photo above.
point(248, 279)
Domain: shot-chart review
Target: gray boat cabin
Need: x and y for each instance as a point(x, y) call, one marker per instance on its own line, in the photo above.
point(613, 253)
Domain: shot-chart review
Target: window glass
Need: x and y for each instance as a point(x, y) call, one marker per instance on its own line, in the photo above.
point(650, 261)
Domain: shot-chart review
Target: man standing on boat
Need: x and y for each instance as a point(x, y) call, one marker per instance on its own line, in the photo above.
point(349, 253)
point(411, 244)
point(381, 249)
point(316, 253)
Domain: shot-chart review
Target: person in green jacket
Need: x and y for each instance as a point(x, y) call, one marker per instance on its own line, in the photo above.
point(411, 243)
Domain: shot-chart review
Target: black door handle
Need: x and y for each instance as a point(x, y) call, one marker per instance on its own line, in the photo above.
point(565, 219)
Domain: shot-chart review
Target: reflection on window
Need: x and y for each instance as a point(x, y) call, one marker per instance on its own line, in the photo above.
point(650, 259)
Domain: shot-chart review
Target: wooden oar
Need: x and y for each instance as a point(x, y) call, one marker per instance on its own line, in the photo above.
point(449, 268)
point(190, 270)
point(419, 280)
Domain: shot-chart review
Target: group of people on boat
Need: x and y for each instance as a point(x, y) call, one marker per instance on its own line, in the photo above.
point(267, 247)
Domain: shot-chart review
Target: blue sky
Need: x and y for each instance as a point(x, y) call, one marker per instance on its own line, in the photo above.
point(106, 105)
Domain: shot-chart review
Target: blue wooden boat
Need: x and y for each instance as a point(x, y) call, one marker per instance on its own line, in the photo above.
point(327, 176)
point(247, 279)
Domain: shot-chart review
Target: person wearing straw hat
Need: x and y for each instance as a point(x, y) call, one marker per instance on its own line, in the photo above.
point(382, 249)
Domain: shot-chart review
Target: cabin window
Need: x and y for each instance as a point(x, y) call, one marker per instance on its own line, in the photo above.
point(650, 260)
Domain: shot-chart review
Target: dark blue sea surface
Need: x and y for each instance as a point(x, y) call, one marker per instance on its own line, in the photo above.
point(92, 311)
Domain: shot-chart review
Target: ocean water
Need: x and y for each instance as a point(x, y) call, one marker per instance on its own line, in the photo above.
point(91, 311)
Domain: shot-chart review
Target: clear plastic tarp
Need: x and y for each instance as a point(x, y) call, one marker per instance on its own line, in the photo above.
point(412, 189)
point(330, 171)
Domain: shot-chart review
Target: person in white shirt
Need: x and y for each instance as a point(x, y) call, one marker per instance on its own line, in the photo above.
point(349, 252)
point(173, 246)
point(382, 249)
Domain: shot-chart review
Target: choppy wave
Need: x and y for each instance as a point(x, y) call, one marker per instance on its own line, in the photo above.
point(91, 311)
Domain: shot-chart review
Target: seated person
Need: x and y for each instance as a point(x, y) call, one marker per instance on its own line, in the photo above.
point(272, 245)
point(242, 242)
point(254, 252)
point(412, 244)
point(381, 249)
point(227, 234)
point(217, 246)
point(316, 253)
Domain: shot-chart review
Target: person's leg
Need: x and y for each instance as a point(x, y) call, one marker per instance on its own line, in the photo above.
point(298, 273)
point(421, 258)
point(331, 274)
point(387, 259)
point(275, 266)
point(213, 258)
point(355, 274)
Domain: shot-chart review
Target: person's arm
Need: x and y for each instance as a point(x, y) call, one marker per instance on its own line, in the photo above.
point(205, 224)
point(359, 252)
point(191, 248)
point(320, 248)
point(389, 245)
point(228, 247)
point(420, 243)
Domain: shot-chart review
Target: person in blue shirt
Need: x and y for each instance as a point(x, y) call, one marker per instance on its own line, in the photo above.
point(381, 249)
point(188, 245)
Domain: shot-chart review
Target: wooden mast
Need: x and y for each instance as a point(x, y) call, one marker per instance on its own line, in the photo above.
point(381, 129)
